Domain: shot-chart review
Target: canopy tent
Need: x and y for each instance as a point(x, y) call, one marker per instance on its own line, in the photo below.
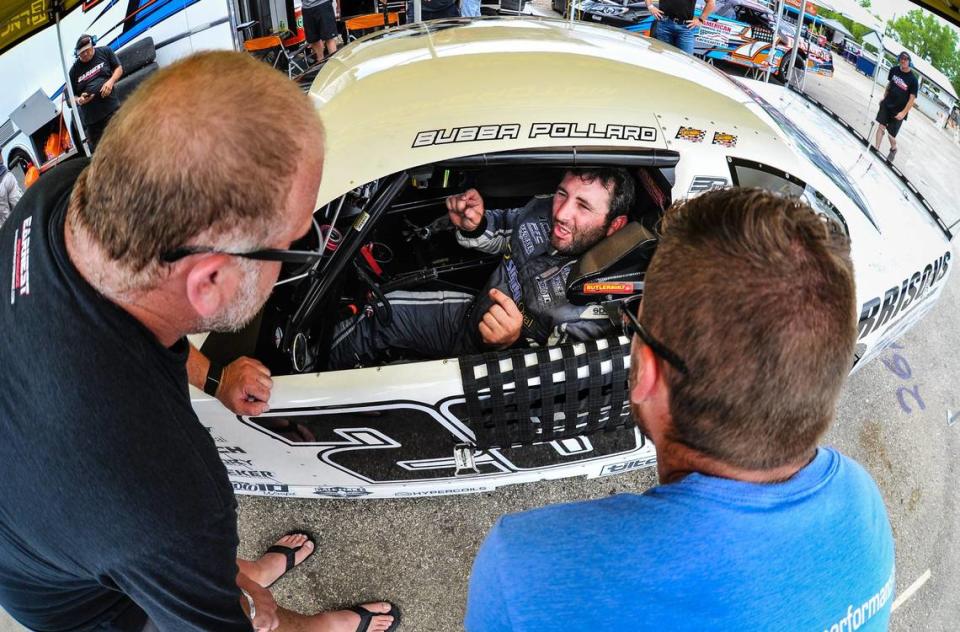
point(852, 10)
point(836, 26)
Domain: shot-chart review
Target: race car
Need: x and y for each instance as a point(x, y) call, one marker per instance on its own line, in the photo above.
point(505, 105)
point(738, 32)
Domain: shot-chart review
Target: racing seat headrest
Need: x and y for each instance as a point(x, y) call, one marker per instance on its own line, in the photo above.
point(614, 268)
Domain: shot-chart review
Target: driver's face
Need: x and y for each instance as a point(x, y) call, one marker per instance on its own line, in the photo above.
point(580, 214)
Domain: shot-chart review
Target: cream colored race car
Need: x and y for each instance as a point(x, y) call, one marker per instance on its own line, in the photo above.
point(505, 105)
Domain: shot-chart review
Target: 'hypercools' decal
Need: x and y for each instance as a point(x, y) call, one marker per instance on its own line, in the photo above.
point(880, 311)
point(722, 138)
point(513, 131)
point(691, 134)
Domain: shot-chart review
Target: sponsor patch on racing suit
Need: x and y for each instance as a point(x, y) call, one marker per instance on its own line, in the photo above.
point(533, 274)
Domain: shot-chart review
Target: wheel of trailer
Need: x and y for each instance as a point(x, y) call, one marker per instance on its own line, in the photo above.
point(19, 163)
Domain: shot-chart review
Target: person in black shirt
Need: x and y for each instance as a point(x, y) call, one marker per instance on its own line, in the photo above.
point(116, 513)
point(675, 22)
point(897, 101)
point(93, 77)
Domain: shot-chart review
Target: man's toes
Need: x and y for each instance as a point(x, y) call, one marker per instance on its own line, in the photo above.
point(377, 606)
point(379, 624)
point(293, 540)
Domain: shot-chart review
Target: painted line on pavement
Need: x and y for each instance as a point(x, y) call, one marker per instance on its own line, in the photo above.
point(914, 587)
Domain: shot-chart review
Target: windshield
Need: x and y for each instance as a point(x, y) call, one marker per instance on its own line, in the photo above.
point(817, 156)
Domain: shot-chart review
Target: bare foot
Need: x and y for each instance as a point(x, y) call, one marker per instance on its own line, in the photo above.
point(347, 620)
point(271, 566)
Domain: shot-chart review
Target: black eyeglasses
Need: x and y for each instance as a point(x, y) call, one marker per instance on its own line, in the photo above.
point(263, 254)
point(631, 324)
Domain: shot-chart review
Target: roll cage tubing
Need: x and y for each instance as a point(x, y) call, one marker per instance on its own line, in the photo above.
point(383, 198)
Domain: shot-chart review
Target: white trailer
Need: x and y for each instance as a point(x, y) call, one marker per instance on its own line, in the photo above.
point(36, 51)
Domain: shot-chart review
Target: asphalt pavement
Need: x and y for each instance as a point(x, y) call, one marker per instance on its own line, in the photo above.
point(899, 416)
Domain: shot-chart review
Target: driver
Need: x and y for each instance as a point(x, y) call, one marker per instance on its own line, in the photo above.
point(526, 295)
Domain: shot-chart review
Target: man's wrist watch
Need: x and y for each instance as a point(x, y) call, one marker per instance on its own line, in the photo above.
point(214, 376)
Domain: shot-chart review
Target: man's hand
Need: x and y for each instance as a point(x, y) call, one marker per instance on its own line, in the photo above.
point(84, 98)
point(264, 617)
point(501, 325)
point(245, 387)
point(899, 116)
point(106, 89)
point(466, 210)
point(694, 23)
point(655, 11)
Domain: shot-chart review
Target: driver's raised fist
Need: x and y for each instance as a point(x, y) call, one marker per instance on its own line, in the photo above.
point(466, 210)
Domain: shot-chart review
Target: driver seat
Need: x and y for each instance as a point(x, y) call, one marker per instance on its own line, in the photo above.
point(614, 268)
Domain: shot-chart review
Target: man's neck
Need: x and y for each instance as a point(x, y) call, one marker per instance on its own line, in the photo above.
point(92, 264)
point(675, 461)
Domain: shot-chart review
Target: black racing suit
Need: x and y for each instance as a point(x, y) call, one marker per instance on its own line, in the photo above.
point(445, 324)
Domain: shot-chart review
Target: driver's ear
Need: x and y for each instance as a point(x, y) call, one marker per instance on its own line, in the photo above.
point(210, 285)
point(618, 222)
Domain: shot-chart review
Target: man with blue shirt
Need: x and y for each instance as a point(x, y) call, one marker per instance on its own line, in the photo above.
point(740, 347)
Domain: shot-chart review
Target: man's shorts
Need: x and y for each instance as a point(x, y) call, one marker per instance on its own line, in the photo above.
point(319, 23)
point(888, 117)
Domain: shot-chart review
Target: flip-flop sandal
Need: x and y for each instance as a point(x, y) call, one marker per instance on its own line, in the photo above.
point(290, 552)
point(366, 617)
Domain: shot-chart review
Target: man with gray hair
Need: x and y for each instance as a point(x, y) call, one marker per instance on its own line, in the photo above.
point(116, 513)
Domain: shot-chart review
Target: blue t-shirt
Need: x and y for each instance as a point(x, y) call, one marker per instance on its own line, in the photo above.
point(812, 553)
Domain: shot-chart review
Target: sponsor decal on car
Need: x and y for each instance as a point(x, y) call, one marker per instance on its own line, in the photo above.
point(230, 449)
point(251, 474)
point(702, 184)
point(264, 489)
point(896, 301)
point(636, 464)
point(341, 492)
point(442, 492)
point(725, 139)
point(620, 287)
point(21, 261)
point(691, 134)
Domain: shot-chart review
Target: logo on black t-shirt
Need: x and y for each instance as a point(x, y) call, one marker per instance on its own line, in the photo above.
point(21, 261)
point(900, 82)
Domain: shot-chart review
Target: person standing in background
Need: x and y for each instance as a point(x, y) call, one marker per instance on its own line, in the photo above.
point(898, 100)
point(320, 27)
point(676, 23)
point(93, 77)
point(9, 193)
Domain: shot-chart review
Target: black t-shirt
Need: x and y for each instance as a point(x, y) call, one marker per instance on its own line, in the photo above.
point(901, 86)
point(89, 77)
point(678, 9)
point(114, 504)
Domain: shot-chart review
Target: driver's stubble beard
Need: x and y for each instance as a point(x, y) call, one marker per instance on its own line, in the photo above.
point(582, 240)
point(244, 306)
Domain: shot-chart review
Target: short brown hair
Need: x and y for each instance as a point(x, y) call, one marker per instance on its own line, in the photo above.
point(756, 293)
point(209, 144)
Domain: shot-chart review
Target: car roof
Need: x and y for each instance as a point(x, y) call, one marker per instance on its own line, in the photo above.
point(432, 91)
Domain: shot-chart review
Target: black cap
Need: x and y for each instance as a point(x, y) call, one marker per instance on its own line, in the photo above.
point(83, 42)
